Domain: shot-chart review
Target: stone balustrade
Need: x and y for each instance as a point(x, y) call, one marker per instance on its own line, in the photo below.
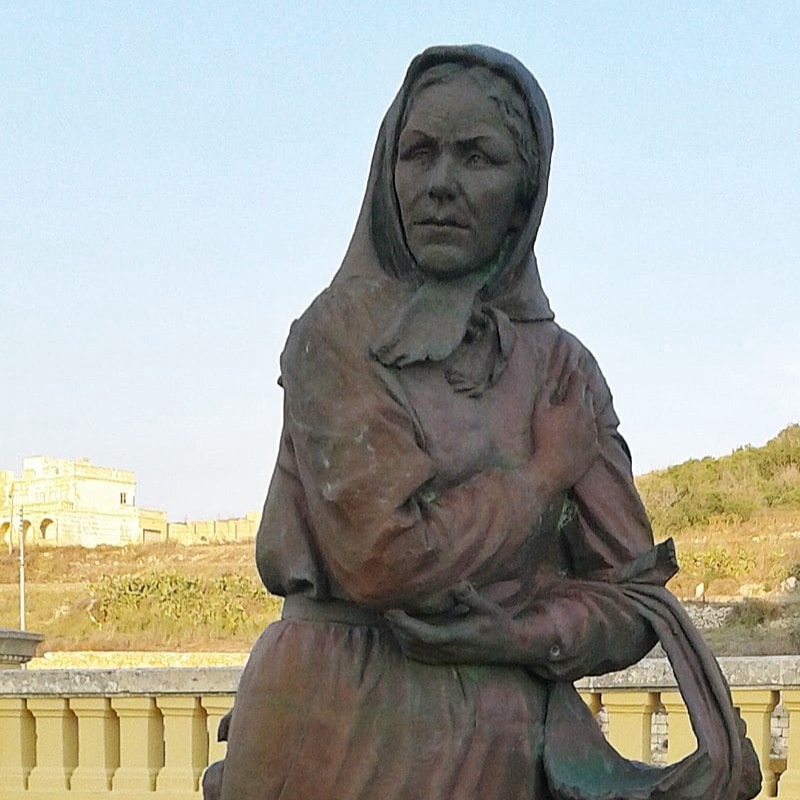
point(133, 733)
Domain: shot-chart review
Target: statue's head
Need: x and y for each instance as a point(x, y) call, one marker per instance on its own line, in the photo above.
point(459, 175)
point(465, 155)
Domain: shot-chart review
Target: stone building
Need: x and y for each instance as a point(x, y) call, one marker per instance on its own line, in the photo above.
point(58, 501)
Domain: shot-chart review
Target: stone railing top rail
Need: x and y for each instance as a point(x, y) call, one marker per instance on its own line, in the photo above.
point(774, 672)
point(120, 682)
point(764, 672)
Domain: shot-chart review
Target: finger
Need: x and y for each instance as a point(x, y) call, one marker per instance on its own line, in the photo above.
point(548, 395)
point(557, 356)
point(572, 386)
point(417, 629)
point(483, 606)
point(588, 396)
point(473, 599)
point(554, 383)
point(467, 594)
point(569, 368)
point(568, 360)
point(570, 389)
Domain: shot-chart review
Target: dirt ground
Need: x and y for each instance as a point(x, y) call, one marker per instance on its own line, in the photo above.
point(84, 565)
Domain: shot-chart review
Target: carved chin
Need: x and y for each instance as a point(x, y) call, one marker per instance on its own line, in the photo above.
point(444, 256)
point(444, 265)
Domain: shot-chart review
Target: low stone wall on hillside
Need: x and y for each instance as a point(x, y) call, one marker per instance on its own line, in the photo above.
point(708, 616)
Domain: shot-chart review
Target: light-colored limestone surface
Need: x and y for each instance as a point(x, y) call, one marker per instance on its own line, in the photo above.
point(134, 660)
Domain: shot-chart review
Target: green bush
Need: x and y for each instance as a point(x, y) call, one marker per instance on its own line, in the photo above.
point(179, 603)
point(718, 562)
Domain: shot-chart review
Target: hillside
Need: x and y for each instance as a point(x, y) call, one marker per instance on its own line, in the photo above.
point(735, 519)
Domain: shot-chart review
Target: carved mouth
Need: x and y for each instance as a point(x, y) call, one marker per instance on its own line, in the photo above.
point(442, 222)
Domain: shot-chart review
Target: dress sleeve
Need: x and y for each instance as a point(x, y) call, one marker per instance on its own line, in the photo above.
point(582, 628)
point(605, 523)
point(386, 537)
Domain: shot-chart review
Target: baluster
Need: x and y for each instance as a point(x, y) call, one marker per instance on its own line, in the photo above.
point(756, 706)
point(185, 744)
point(630, 722)
point(17, 743)
point(56, 744)
point(681, 740)
point(141, 744)
point(216, 706)
point(98, 744)
point(789, 784)
point(593, 701)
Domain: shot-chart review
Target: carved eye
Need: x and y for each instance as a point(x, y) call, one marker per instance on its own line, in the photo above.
point(477, 158)
point(416, 152)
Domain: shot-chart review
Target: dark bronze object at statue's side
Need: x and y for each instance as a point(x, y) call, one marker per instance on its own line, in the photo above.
point(452, 519)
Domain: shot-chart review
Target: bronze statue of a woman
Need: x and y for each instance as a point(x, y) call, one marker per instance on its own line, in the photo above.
point(452, 519)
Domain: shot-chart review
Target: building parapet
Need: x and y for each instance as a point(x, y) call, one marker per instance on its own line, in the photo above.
point(767, 672)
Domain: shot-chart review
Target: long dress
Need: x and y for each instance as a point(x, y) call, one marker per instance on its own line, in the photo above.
point(393, 486)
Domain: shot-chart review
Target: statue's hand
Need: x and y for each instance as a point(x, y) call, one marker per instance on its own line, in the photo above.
point(564, 427)
point(484, 633)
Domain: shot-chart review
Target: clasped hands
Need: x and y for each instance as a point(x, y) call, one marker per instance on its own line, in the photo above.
point(476, 631)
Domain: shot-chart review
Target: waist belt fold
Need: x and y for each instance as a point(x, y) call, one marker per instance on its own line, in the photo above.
point(297, 607)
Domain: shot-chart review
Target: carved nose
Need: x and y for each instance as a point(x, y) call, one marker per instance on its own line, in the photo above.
point(442, 182)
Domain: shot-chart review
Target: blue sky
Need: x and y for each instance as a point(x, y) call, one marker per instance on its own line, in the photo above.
point(179, 180)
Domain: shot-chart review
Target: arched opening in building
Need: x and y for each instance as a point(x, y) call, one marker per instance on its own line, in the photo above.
point(5, 533)
point(26, 530)
point(47, 529)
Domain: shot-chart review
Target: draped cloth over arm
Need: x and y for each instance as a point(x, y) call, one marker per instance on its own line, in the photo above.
point(605, 539)
point(723, 767)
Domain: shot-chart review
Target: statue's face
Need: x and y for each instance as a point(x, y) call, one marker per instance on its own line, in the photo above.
point(458, 179)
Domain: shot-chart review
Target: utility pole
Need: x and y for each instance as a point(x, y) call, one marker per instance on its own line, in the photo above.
point(11, 523)
point(22, 568)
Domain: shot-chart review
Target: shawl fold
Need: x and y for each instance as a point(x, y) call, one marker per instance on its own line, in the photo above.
point(723, 767)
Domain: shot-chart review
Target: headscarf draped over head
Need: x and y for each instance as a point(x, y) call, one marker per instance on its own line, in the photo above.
point(466, 320)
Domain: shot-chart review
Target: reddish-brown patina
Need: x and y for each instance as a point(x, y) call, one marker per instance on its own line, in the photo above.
point(452, 517)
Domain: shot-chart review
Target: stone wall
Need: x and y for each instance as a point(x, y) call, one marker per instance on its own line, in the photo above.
point(235, 529)
point(708, 616)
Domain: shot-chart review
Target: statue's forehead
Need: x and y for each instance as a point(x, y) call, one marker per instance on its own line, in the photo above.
point(454, 110)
